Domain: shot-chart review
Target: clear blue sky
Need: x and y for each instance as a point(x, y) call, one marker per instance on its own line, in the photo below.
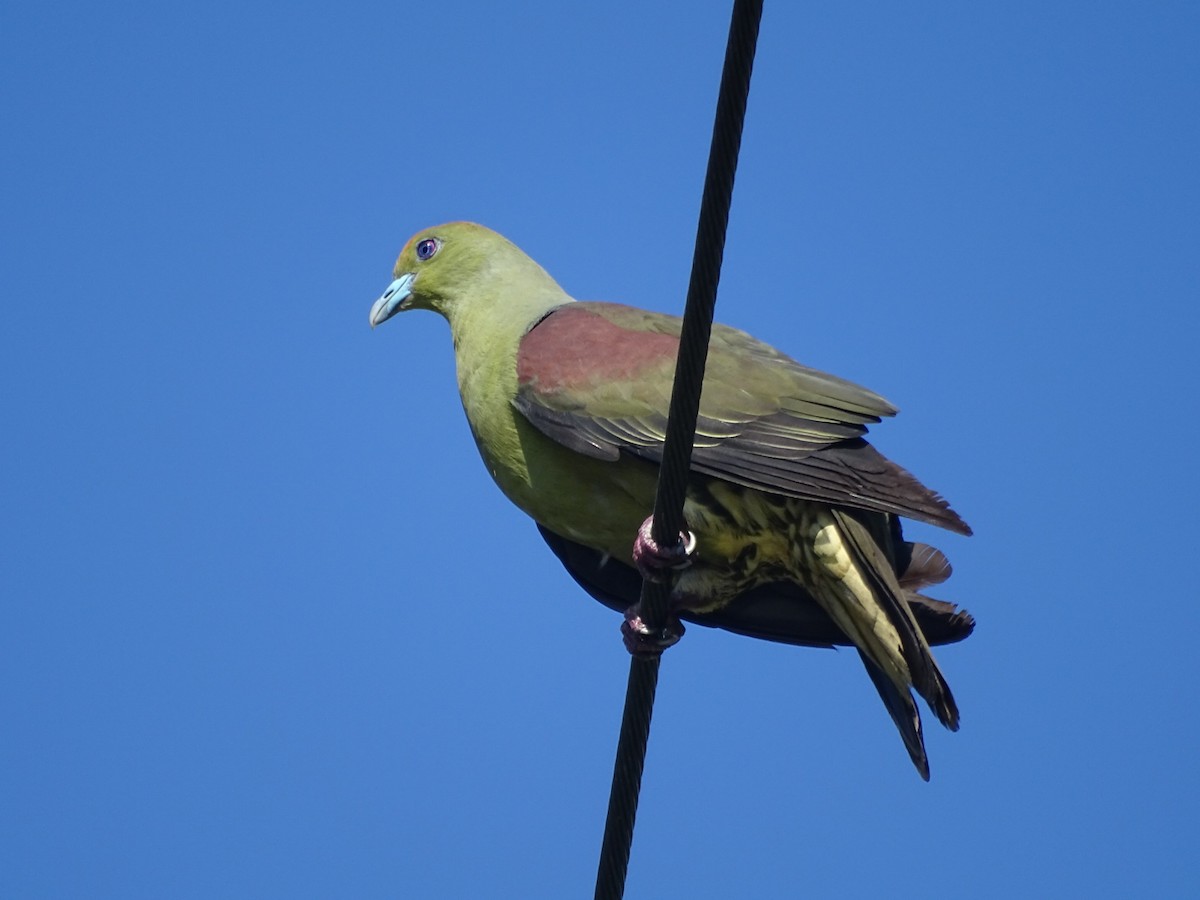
point(268, 630)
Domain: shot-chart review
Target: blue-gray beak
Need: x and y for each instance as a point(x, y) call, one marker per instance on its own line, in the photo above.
point(393, 299)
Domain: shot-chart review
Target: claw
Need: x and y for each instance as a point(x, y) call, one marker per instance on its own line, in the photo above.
point(656, 563)
point(641, 641)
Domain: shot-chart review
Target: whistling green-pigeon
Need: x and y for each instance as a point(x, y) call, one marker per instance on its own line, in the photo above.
point(792, 515)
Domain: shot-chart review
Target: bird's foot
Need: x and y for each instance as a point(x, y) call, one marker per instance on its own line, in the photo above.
point(641, 641)
point(656, 563)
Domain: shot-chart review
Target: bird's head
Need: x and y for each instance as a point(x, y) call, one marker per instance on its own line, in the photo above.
point(462, 270)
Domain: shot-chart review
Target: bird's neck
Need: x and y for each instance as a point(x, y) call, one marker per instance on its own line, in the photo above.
point(487, 334)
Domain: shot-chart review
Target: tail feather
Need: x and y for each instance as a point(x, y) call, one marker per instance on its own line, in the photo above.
point(903, 712)
point(945, 708)
point(871, 546)
point(926, 566)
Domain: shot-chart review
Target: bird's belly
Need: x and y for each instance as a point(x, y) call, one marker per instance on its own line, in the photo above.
point(594, 502)
point(743, 537)
point(599, 504)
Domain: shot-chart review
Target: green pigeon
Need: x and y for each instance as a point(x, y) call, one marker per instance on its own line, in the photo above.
point(792, 517)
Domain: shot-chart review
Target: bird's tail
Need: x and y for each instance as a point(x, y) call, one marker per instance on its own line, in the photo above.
point(865, 575)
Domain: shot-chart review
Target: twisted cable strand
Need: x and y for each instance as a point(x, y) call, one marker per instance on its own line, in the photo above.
point(681, 429)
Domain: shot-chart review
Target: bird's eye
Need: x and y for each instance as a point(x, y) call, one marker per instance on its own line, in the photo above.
point(427, 248)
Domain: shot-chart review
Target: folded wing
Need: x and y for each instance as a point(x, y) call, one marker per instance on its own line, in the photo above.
point(596, 377)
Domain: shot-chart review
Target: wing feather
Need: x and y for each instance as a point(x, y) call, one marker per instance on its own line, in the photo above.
point(596, 378)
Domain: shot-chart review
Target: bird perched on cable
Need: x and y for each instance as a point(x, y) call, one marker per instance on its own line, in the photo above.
point(793, 533)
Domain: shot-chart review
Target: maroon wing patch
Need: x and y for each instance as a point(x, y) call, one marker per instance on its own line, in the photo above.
point(575, 347)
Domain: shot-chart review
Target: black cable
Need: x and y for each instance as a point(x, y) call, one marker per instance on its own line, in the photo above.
point(681, 431)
